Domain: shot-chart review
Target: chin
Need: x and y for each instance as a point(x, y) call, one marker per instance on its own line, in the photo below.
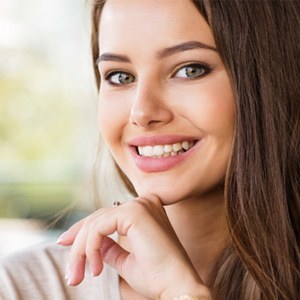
point(182, 192)
point(166, 197)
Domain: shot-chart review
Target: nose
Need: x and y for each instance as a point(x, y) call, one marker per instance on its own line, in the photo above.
point(149, 108)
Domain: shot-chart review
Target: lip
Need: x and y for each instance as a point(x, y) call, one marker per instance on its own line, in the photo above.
point(148, 164)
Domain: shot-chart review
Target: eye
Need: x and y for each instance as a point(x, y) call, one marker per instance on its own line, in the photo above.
point(192, 71)
point(119, 78)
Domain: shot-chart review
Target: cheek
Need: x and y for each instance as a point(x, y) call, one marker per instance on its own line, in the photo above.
point(218, 117)
point(224, 113)
point(111, 119)
point(211, 108)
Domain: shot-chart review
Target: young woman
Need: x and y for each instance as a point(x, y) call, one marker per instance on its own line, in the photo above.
point(199, 108)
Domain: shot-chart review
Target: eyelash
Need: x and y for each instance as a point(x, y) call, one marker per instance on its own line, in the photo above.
point(111, 74)
point(206, 70)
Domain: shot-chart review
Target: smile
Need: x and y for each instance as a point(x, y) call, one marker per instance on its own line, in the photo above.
point(169, 150)
point(162, 152)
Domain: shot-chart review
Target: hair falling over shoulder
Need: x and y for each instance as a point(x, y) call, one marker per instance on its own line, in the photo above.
point(259, 43)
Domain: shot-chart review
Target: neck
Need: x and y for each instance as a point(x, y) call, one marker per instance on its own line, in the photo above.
point(200, 225)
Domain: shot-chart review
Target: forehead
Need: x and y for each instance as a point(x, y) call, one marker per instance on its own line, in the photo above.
point(146, 25)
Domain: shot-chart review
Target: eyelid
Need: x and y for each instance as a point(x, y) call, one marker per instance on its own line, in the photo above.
point(114, 72)
point(204, 66)
point(109, 74)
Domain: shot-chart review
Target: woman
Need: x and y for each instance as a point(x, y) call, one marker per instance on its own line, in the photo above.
point(199, 107)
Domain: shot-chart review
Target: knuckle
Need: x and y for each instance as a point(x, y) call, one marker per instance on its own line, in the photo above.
point(140, 205)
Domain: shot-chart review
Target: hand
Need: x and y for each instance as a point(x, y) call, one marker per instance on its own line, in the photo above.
point(157, 266)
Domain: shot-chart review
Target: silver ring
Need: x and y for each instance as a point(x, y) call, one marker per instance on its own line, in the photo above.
point(116, 203)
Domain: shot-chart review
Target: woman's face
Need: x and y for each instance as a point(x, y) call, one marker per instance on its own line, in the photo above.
point(166, 108)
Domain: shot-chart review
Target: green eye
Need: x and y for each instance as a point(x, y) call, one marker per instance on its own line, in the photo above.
point(120, 78)
point(192, 71)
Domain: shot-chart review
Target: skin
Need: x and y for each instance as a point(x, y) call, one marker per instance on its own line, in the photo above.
point(177, 206)
point(156, 103)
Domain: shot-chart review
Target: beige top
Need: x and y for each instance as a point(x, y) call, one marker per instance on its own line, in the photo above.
point(38, 273)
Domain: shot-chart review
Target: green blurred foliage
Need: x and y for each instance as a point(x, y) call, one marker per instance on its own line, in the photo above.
point(38, 201)
point(36, 124)
point(35, 117)
point(43, 95)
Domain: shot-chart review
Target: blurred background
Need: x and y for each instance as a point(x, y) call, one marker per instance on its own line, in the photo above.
point(48, 125)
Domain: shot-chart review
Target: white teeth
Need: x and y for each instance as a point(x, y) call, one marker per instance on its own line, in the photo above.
point(158, 151)
point(167, 148)
point(147, 151)
point(185, 145)
point(176, 147)
point(140, 150)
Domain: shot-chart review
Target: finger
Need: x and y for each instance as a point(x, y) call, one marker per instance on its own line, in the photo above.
point(113, 254)
point(93, 254)
point(99, 247)
point(77, 257)
point(67, 238)
point(75, 271)
point(98, 244)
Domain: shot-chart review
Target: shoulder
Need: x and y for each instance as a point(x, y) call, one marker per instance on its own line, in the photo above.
point(35, 263)
point(38, 273)
point(47, 255)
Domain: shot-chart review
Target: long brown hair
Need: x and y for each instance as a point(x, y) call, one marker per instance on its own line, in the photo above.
point(259, 43)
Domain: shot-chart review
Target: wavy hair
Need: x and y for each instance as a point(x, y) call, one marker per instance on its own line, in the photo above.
point(259, 43)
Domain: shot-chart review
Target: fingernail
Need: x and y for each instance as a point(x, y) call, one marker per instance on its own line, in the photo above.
point(91, 271)
point(69, 281)
point(61, 238)
point(67, 276)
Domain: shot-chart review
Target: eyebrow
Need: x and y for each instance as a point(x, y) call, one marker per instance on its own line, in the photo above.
point(112, 57)
point(191, 45)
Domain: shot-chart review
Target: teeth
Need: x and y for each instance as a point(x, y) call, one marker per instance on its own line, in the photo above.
point(140, 150)
point(185, 145)
point(167, 148)
point(147, 151)
point(177, 147)
point(159, 151)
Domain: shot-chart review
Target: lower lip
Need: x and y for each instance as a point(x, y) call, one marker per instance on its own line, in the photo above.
point(148, 164)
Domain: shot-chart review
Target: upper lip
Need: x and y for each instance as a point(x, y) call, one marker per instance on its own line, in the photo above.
point(159, 140)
